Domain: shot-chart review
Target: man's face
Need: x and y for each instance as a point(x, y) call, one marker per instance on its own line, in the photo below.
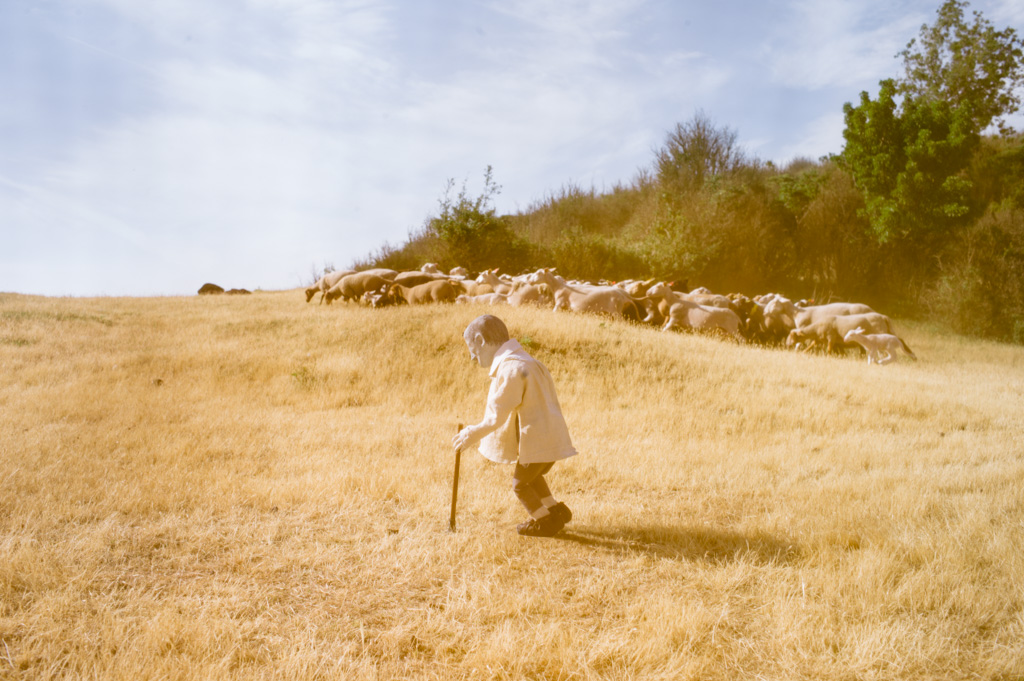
point(479, 351)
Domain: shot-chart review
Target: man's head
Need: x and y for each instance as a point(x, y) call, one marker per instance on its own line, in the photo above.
point(483, 337)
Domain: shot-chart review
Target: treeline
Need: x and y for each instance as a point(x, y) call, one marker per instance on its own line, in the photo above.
point(921, 214)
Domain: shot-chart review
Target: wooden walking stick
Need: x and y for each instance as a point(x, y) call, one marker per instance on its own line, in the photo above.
point(455, 486)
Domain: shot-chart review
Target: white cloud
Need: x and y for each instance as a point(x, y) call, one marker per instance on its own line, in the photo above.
point(583, 20)
point(282, 133)
point(823, 136)
point(287, 133)
point(1007, 13)
point(839, 43)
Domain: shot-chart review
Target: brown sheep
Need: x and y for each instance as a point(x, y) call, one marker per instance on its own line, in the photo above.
point(832, 330)
point(822, 334)
point(802, 316)
point(440, 291)
point(528, 294)
point(353, 286)
point(415, 278)
point(324, 284)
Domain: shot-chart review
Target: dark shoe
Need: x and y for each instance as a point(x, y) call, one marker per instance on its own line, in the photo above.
point(562, 512)
point(548, 526)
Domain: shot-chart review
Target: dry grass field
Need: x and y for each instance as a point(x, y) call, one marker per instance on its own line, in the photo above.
point(252, 487)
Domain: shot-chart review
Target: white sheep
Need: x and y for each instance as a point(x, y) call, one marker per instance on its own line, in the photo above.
point(877, 344)
point(483, 299)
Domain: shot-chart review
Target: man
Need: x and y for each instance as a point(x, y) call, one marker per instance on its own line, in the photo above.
point(522, 423)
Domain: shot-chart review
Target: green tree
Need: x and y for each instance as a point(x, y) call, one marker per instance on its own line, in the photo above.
point(907, 161)
point(906, 150)
point(972, 66)
point(472, 234)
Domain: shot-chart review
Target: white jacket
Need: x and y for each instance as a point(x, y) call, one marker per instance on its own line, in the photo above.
point(522, 393)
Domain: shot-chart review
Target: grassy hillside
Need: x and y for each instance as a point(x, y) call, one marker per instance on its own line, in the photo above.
point(253, 487)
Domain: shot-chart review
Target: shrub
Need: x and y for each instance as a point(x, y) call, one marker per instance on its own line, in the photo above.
point(980, 287)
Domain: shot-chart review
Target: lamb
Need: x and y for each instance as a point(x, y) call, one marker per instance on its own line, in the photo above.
point(877, 344)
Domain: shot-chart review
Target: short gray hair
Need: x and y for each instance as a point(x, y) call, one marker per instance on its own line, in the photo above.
point(490, 327)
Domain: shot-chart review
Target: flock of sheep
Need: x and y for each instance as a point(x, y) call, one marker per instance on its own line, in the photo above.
point(768, 320)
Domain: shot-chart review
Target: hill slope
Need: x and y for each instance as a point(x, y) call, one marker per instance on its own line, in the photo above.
point(255, 487)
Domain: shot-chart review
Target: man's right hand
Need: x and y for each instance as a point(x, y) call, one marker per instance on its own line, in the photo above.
point(464, 438)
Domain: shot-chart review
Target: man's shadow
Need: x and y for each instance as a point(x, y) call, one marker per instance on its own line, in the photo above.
point(681, 542)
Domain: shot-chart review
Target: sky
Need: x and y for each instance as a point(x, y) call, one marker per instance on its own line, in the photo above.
point(147, 148)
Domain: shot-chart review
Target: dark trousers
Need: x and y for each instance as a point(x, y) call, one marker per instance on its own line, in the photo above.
point(529, 485)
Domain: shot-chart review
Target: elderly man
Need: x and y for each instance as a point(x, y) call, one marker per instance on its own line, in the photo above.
point(522, 423)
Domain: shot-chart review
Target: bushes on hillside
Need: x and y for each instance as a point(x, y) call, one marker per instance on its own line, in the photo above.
point(754, 228)
point(980, 287)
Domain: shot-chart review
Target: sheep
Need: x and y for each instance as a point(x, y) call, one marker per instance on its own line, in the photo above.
point(430, 268)
point(458, 273)
point(497, 284)
point(529, 294)
point(353, 286)
point(664, 291)
point(601, 299)
point(637, 289)
point(655, 315)
point(689, 315)
point(483, 299)
point(832, 330)
point(324, 284)
point(440, 291)
point(382, 272)
point(415, 278)
point(752, 323)
point(685, 313)
point(709, 300)
point(817, 334)
point(803, 316)
point(472, 288)
point(875, 344)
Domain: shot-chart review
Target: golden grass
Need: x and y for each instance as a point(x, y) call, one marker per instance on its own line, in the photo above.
point(253, 487)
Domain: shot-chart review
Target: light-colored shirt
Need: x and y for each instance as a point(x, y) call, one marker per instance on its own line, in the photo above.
point(522, 401)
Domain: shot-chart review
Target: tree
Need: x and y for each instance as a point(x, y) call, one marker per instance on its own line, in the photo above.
point(696, 152)
point(907, 161)
point(906, 150)
point(973, 67)
point(474, 236)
